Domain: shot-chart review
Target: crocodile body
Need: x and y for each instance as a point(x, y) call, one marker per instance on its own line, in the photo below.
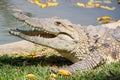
point(87, 47)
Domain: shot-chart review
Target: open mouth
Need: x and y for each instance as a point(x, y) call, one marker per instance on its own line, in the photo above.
point(31, 33)
point(36, 32)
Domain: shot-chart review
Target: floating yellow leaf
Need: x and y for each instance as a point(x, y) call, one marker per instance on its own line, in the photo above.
point(42, 5)
point(52, 3)
point(64, 72)
point(93, 5)
point(30, 76)
point(36, 1)
point(108, 8)
point(98, 19)
point(105, 19)
point(80, 4)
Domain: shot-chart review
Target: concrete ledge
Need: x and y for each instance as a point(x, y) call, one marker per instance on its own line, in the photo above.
point(17, 47)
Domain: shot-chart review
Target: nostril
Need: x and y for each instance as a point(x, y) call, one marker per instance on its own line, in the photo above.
point(57, 23)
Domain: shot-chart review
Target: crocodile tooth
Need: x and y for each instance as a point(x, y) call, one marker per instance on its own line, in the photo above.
point(12, 32)
point(25, 23)
point(39, 36)
point(32, 38)
point(30, 26)
point(33, 29)
point(17, 33)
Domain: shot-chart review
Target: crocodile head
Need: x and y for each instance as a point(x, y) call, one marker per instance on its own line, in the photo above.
point(51, 32)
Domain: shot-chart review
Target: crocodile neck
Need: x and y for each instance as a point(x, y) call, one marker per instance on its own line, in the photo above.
point(81, 51)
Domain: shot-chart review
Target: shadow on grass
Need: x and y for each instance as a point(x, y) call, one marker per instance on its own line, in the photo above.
point(105, 72)
point(27, 61)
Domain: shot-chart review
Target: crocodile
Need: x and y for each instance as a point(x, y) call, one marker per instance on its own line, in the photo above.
point(85, 46)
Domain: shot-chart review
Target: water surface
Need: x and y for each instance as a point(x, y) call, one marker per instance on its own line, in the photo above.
point(65, 10)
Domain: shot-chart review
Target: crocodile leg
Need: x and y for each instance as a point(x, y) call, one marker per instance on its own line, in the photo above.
point(88, 63)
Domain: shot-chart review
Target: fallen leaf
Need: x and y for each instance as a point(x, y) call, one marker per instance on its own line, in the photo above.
point(33, 55)
point(90, 76)
point(64, 72)
point(53, 76)
point(30, 76)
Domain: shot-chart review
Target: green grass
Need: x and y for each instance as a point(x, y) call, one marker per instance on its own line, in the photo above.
point(14, 67)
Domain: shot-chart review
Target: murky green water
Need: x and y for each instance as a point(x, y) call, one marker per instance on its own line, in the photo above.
point(64, 10)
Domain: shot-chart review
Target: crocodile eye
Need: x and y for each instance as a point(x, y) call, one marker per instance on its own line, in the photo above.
point(57, 23)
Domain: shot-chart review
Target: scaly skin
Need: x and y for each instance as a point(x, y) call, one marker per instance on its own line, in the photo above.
point(87, 47)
